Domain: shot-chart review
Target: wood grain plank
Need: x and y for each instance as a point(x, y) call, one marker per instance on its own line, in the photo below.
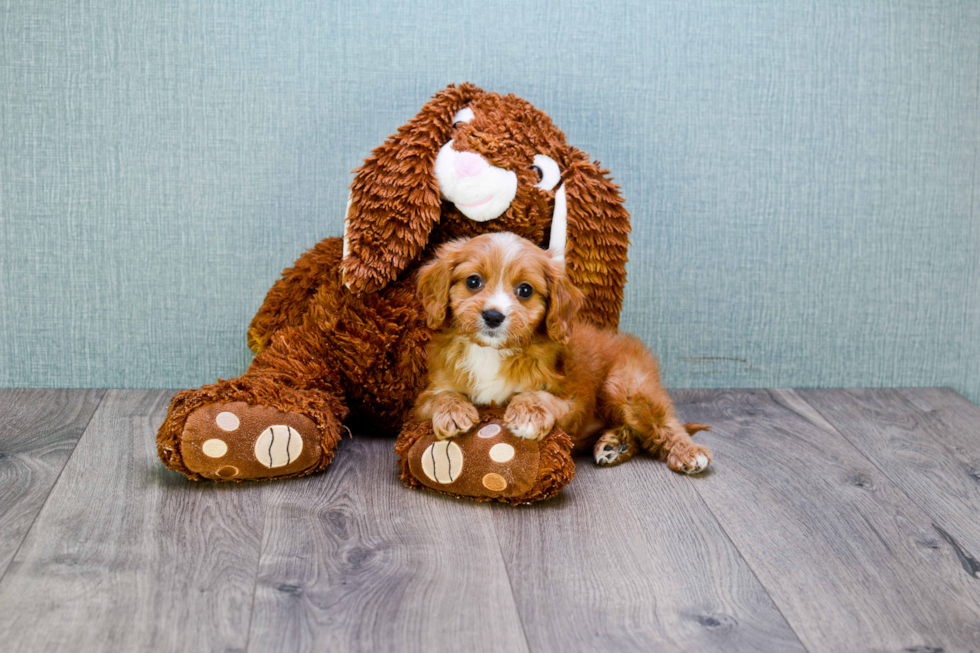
point(127, 556)
point(354, 561)
point(38, 431)
point(629, 558)
point(927, 441)
point(849, 559)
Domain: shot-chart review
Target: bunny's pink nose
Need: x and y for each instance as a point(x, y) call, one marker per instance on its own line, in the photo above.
point(469, 164)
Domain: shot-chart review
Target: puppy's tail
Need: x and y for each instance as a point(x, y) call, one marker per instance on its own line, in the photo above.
point(692, 428)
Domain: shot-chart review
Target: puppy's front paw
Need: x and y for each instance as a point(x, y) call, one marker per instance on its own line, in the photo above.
point(528, 417)
point(689, 458)
point(454, 418)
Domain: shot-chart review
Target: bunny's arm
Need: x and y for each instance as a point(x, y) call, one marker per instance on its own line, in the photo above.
point(289, 298)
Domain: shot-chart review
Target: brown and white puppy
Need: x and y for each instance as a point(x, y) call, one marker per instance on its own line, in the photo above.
point(508, 334)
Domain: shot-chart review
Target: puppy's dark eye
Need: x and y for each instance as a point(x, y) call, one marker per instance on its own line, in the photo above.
point(473, 282)
point(538, 171)
point(525, 290)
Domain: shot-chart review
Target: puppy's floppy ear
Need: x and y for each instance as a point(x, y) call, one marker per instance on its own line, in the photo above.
point(597, 239)
point(434, 280)
point(564, 302)
point(394, 198)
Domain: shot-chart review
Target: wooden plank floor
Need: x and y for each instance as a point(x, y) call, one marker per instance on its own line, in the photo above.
point(832, 520)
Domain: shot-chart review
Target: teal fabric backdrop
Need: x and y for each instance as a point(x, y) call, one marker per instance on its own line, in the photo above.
point(803, 176)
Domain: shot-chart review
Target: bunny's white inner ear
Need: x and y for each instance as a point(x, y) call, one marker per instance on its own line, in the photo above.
point(559, 226)
point(350, 199)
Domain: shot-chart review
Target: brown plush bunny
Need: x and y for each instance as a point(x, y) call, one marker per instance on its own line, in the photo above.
point(341, 336)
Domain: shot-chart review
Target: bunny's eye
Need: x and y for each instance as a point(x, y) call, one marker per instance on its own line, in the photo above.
point(547, 170)
point(473, 282)
point(463, 115)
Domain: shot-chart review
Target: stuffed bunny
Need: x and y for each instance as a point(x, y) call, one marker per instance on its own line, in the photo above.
point(341, 337)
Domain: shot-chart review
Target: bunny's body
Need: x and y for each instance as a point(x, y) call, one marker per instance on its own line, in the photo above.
point(342, 335)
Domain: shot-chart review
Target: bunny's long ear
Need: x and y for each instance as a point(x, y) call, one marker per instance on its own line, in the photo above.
point(596, 238)
point(394, 200)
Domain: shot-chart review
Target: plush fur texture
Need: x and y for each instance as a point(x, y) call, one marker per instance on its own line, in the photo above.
point(510, 336)
point(341, 337)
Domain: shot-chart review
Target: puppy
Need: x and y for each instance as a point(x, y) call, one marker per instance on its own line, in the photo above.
point(507, 334)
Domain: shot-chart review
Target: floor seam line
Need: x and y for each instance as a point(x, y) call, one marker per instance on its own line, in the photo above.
point(748, 564)
point(751, 569)
point(258, 567)
point(872, 462)
point(510, 583)
point(61, 471)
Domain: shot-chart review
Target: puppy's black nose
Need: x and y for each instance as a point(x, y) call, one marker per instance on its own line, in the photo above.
point(493, 318)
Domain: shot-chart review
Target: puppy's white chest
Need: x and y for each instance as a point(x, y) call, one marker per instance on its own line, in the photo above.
point(484, 365)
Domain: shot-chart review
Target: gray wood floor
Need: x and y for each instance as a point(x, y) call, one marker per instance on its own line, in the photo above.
point(832, 520)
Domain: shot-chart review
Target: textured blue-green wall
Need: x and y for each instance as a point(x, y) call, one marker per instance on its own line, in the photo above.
point(803, 176)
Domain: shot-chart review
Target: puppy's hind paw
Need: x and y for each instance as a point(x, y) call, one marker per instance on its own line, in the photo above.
point(689, 459)
point(613, 448)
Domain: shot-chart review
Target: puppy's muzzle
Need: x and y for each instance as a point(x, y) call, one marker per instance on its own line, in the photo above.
point(493, 319)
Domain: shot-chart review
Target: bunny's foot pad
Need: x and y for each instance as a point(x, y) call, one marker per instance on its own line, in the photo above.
point(238, 442)
point(487, 463)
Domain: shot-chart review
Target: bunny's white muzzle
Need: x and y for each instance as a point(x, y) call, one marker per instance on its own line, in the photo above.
point(479, 190)
point(483, 192)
